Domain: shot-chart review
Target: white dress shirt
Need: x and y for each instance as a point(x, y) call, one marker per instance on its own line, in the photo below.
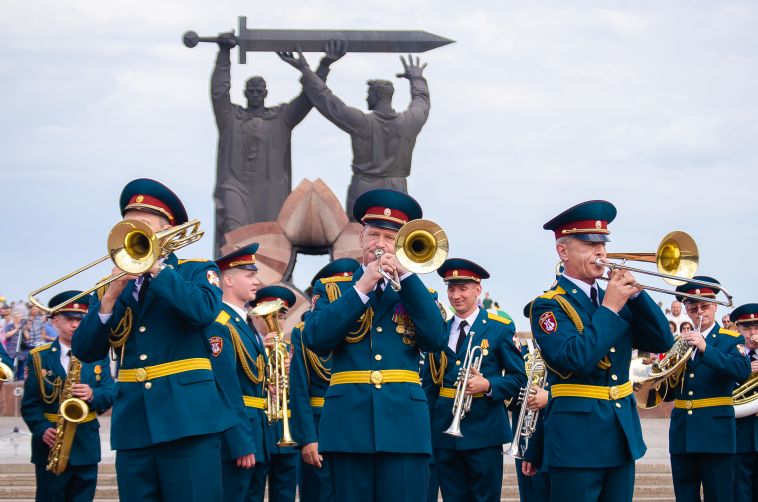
point(65, 357)
point(452, 341)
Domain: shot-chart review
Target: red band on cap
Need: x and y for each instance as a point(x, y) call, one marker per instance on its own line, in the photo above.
point(236, 261)
point(74, 307)
point(582, 227)
point(272, 299)
point(385, 214)
point(701, 292)
point(142, 201)
point(460, 274)
point(752, 317)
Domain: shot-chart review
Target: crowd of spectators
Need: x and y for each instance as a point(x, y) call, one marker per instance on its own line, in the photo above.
point(22, 328)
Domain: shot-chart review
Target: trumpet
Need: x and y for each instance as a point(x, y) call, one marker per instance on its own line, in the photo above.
point(6, 373)
point(421, 247)
point(653, 380)
point(461, 401)
point(527, 418)
point(134, 248)
point(676, 259)
point(277, 407)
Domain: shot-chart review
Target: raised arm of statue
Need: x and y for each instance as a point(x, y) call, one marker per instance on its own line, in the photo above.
point(297, 109)
point(221, 80)
point(420, 103)
point(345, 117)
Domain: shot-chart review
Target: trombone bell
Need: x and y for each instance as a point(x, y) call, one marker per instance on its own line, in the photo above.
point(421, 246)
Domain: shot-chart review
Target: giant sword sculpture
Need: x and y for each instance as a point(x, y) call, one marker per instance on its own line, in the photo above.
point(253, 40)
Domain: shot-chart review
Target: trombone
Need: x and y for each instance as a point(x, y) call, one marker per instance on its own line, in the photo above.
point(676, 259)
point(421, 247)
point(134, 248)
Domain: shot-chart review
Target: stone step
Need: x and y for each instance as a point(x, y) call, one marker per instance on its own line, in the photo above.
point(29, 468)
point(27, 492)
point(27, 479)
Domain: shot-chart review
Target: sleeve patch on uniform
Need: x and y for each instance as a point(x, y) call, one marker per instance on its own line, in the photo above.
point(217, 345)
point(548, 323)
point(314, 299)
point(742, 350)
point(213, 278)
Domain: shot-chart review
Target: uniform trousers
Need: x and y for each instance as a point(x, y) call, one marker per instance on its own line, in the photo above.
point(281, 471)
point(379, 477)
point(574, 484)
point(184, 470)
point(533, 488)
point(76, 484)
point(714, 471)
point(315, 483)
point(236, 481)
point(470, 475)
point(746, 476)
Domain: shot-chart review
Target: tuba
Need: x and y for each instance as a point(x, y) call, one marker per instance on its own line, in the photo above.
point(134, 248)
point(652, 381)
point(420, 247)
point(277, 407)
point(462, 402)
point(536, 371)
point(745, 399)
point(72, 411)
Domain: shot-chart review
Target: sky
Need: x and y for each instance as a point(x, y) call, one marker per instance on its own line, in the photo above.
point(536, 107)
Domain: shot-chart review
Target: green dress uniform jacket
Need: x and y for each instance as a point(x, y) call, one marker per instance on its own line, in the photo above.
point(309, 382)
point(713, 374)
point(361, 417)
point(599, 355)
point(44, 371)
point(486, 424)
point(238, 356)
point(181, 301)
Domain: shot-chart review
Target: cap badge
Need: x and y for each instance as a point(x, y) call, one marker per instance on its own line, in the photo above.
point(76, 305)
point(387, 211)
point(455, 273)
point(139, 199)
point(697, 291)
point(752, 316)
point(598, 224)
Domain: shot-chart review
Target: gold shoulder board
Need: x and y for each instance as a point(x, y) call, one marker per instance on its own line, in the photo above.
point(549, 295)
point(498, 318)
point(192, 260)
point(300, 325)
point(724, 331)
point(339, 278)
point(40, 348)
point(223, 317)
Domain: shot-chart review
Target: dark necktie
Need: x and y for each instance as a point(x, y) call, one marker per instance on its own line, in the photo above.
point(461, 336)
point(752, 356)
point(593, 296)
point(378, 290)
point(146, 278)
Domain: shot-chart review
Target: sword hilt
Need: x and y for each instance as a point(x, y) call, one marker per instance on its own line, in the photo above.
point(191, 39)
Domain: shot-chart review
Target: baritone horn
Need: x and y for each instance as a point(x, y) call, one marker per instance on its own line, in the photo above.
point(676, 259)
point(134, 248)
point(421, 247)
point(277, 406)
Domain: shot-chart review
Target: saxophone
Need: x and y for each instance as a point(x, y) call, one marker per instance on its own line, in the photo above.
point(72, 411)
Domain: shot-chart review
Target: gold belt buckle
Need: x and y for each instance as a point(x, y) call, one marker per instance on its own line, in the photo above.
point(377, 378)
point(688, 404)
point(140, 374)
point(614, 392)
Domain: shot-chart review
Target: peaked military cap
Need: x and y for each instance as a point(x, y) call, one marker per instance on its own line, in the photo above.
point(698, 289)
point(340, 267)
point(243, 257)
point(154, 197)
point(75, 309)
point(386, 208)
point(745, 314)
point(587, 221)
point(271, 293)
point(462, 270)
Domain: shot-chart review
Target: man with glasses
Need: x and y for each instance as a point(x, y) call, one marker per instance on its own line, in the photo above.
point(745, 318)
point(702, 431)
